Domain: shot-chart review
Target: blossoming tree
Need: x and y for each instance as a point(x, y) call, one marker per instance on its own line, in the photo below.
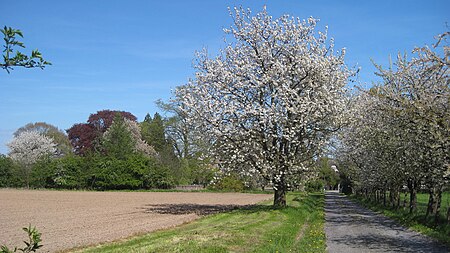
point(417, 93)
point(271, 99)
point(28, 147)
point(400, 131)
point(124, 137)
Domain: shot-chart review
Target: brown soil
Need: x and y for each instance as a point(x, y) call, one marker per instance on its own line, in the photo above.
point(69, 219)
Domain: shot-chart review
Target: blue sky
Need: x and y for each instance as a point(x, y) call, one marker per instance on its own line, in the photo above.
point(124, 55)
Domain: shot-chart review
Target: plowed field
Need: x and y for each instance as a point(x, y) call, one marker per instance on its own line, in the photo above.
point(69, 219)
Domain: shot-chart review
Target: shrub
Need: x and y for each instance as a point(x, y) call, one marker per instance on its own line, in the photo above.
point(314, 186)
point(9, 173)
point(228, 183)
point(93, 171)
point(136, 172)
point(65, 173)
point(159, 177)
point(196, 172)
point(111, 173)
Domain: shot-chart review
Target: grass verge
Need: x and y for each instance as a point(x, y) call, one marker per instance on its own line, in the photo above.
point(260, 228)
point(415, 221)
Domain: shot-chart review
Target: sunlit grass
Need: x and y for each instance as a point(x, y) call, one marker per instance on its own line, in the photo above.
point(260, 228)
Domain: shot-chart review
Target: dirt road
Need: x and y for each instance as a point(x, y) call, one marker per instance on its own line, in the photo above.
point(350, 228)
point(69, 219)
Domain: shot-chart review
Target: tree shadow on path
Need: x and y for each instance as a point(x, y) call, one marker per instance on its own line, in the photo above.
point(386, 243)
point(353, 228)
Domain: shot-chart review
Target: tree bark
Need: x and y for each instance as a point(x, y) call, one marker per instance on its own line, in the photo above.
point(430, 204)
point(279, 199)
point(437, 206)
point(399, 199)
point(412, 196)
point(391, 198)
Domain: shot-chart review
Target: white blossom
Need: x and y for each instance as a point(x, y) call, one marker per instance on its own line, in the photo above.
point(400, 131)
point(272, 97)
point(141, 145)
point(134, 130)
point(30, 146)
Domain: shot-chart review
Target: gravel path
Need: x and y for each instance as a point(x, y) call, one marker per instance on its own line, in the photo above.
point(69, 219)
point(351, 228)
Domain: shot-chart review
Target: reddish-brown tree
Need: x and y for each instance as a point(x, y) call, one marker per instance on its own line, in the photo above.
point(102, 120)
point(83, 136)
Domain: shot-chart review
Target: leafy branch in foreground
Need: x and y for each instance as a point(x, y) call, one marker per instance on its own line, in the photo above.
point(32, 245)
point(13, 58)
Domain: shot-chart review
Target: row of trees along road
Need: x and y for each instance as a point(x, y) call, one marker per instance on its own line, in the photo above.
point(399, 136)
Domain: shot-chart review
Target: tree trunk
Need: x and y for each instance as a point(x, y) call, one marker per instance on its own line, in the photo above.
point(384, 198)
point(413, 200)
point(391, 198)
point(412, 196)
point(405, 195)
point(437, 206)
point(279, 199)
point(430, 204)
point(398, 196)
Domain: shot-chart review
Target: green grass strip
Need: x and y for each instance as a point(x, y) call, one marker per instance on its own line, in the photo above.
point(260, 228)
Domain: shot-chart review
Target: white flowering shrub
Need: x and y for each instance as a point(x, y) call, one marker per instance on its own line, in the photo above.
point(271, 99)
point(27, 148)
point(140, 145)
point(30, 146)
point(124, 137)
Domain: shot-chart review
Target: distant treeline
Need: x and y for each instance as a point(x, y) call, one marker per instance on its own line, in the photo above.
point(111, 151)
